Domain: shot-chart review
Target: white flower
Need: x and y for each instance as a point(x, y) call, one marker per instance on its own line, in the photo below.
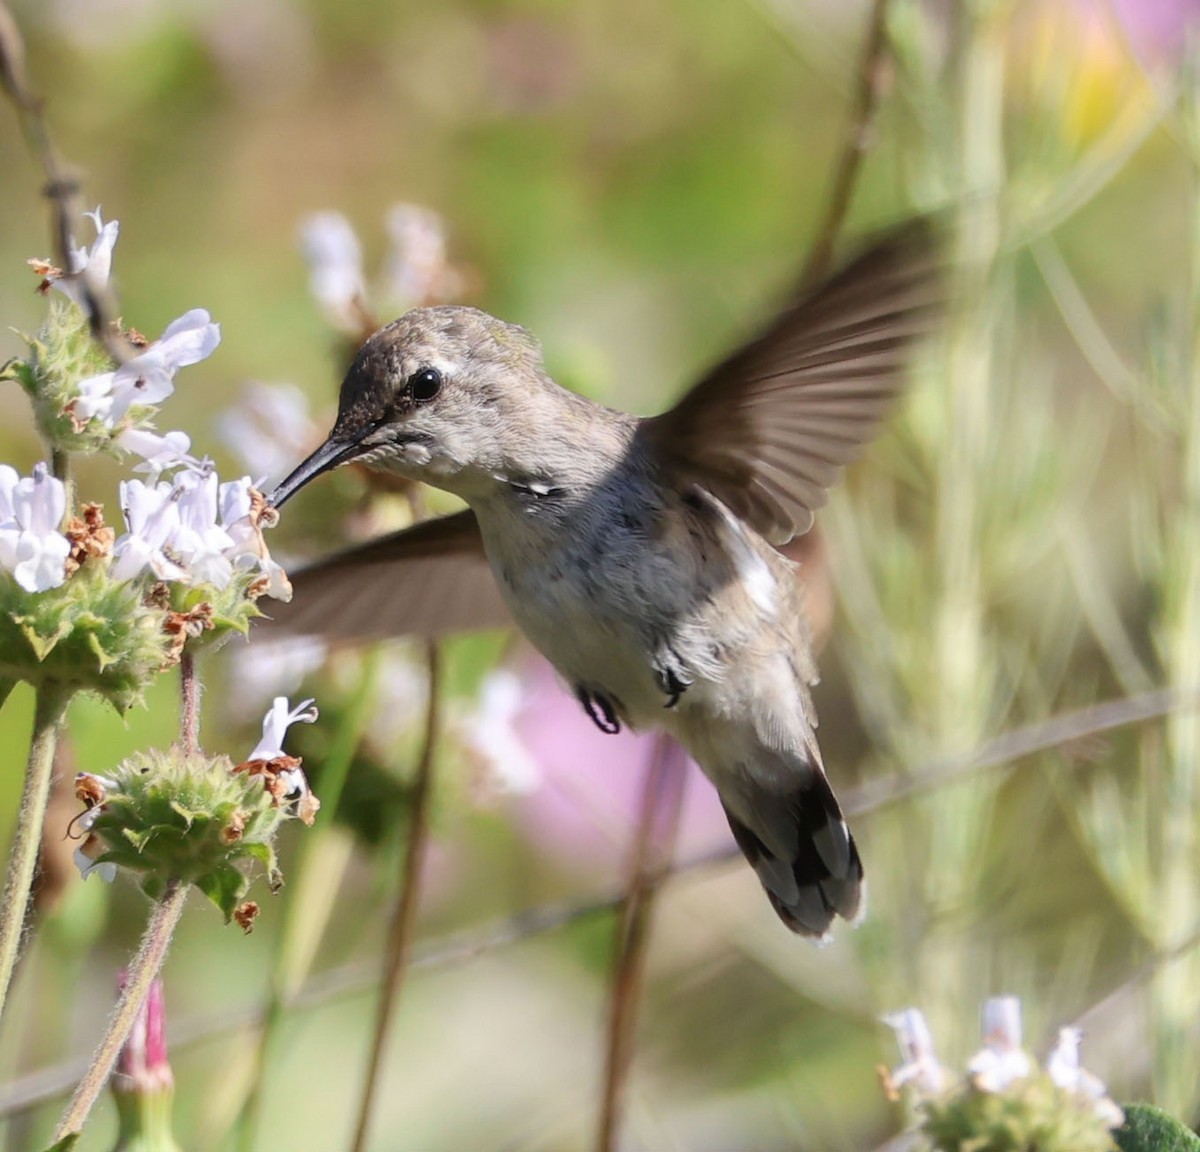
point(276, 723)
point(270, 666)
point(92, 264)
point(1001, 1061)
point(242, 518)
point(158, 453)
point(152, 518)
point(235, 506)
point(920, 1067)
point(1063, 1067)
point(335, 274)
point(492, 738)
point(270, 429)
point(148, 378)
point(415, 270)
point(31, 511)
point(106, 870)
point(203, 547)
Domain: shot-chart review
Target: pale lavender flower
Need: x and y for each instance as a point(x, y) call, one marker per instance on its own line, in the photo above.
point(8, 485)
point(1063, 1067)
point(270, 428)
point(1001, 1061)
point(106, 870)
point(159, 453)
point(415, 269)
point(269, 667)
point(491, 736)
point(203, 546)
point(93, 265)
point(147, 378)
point(152, 518)
point(31, 511)
point(235, 506)
point(335, 267)
point(241, 508)
point(920, 1068)
point(276, 723)
point(590, 784)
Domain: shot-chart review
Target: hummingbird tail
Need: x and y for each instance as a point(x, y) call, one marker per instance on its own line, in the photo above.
point(798, 843)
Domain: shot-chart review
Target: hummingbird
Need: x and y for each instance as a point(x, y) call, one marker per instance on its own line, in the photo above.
point(639, 554)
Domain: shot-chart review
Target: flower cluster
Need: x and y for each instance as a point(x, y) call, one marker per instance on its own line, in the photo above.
point(82, 401)
point(415, 270)
point(196, 819)
point(80, 606)
point(1005, 1101)
point(194, 529)
point(147, 378)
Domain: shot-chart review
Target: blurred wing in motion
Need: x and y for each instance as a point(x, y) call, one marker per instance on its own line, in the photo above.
point(768, 430)
point(427, 580)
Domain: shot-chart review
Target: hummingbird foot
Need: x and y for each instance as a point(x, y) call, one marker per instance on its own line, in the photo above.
point(600, 708)
point(673, 681)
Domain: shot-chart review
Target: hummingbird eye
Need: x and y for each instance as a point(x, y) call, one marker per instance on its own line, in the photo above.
point(425, 384)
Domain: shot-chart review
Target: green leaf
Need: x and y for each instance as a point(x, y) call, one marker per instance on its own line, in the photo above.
point(1150, 1129)
point(225, 887)
point(65, 1143)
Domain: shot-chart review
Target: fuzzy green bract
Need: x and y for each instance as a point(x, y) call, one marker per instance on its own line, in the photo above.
point(61, 355)
point(190, 818)
point(1150, 1129)
point(90, 633)
point(1033, 1115)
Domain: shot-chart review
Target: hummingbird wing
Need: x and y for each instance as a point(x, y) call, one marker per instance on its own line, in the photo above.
point(427, 580)
point(768, 430)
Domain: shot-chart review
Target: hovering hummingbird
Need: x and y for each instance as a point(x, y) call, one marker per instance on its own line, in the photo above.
point(638, 553)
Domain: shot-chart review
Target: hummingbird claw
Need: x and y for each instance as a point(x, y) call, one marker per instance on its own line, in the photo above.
point(600, 708)
point(674, 684)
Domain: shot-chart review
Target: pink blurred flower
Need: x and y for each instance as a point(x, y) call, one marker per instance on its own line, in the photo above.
point(575, 789)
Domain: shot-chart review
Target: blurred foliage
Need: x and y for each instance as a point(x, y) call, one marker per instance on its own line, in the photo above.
point(636, 182)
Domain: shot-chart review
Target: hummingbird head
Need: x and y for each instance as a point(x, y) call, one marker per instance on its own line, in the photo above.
point(434, 396)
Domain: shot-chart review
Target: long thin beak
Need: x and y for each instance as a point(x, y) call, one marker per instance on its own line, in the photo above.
point(329, 455)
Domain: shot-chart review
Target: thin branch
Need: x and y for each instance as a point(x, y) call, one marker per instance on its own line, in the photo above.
point(142, 971)
point(653, 846)
point(464, 947)
point(399, 943)
point(61, 188)
point(301, 926)
point(49, 711)
point(872, 71)
point(1064, 728)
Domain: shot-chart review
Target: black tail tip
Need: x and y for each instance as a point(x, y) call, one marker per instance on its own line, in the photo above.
point(820, 879)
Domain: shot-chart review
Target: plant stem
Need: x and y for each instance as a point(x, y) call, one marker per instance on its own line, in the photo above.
point(189, 690)
point(319, 867)
point(399, 943)
point(22, 862)
point(871, 73)
point(653, 844)
point(142, 971)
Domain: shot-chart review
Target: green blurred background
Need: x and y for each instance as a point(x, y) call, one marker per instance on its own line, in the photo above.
point(636, 181)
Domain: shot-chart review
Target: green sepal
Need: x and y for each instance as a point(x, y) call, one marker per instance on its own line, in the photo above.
point(1033, 1113)
point(90, 633)
point(61, 355)
point(65, 1144)
point(232, 609)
